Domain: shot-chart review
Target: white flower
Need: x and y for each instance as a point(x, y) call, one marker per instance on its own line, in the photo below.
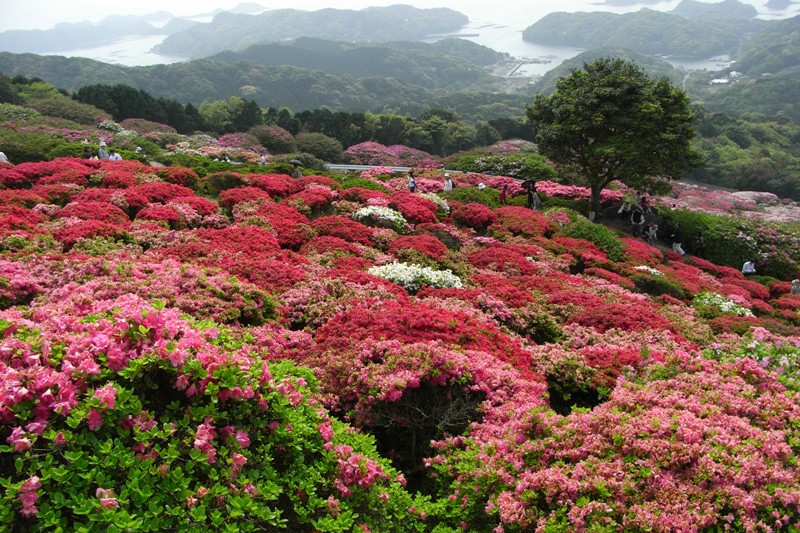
point(650, 270)
point(381, 213)
point(725, 305)
point(412, 277)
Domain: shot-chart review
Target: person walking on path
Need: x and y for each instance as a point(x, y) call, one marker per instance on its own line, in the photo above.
point(534, 202)
point(412, 183)
point(677, 239)
point(637, 222)
point(795, 286)
point(503, 195)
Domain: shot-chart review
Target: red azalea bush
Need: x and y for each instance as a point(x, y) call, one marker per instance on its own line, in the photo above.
point(311, 201)
point(230, 197)
point(291, 226)
point(162, 192)
point(609, 362)
point(585, 251)
point(519, 221)
point(58, 194)
point(95, 211)
point(357, 194)
point(13, 217)
point(423, 244)
point(326, 244)
point(20, 198)
point(185, 177)
point(414, 208)
point(68, 178)
point(627, 317)
point(613, 277)
point(638, 252)
point(308, 182)
point(276, 185)
point(203, 206)
point(504, 289)
point(420, 322)
point(344, 228)
point(160, 213)
point(754, 289)
point(472, 215)
point(88, 229)
point(11, 178)
point(503, 260)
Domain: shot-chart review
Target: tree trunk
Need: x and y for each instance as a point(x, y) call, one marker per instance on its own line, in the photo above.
point(594, 203)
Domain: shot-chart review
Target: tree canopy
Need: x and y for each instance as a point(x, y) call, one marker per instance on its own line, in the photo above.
point(609, 121)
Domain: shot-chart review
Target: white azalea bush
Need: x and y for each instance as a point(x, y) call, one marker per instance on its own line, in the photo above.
point(378, 215)
point(649, 270)
point(711, 304)
point(413, 277)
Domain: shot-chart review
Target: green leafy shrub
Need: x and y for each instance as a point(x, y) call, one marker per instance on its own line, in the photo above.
point(657, 286)
point(351, 182)
point(598, 234)
point(468, 195)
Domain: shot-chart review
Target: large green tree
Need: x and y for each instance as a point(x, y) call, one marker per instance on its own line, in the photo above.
point(609, 121)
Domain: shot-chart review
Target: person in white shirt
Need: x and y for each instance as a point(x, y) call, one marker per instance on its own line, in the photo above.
point(114, 156)
point(448, 183)
point(3, 158)
point(749, 268)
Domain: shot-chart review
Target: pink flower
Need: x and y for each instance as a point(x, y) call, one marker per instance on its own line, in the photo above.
point(238, 460)
point(107, 395)
point(28, 495)
point(242, 438)
point(19, 440)
point(107, 498)
point(95, 419)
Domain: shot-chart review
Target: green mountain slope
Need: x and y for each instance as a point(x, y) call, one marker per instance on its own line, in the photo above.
point(228, 31)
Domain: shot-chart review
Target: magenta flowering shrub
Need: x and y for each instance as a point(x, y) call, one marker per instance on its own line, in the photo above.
point(574, 192)
point(673, 454)
point(146, 421)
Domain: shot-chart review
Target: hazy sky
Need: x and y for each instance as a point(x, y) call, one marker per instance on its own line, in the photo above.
point(44, 14)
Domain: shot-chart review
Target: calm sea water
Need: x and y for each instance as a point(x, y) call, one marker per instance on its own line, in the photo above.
point(497, 26)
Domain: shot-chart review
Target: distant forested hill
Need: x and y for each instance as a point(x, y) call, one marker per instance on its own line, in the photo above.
point(701, 32)
point(366, 77)
point(228, 31)
point(654, 68)
point(774, 50)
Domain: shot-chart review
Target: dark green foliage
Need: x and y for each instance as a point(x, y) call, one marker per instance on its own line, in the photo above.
point(467, 195)
point(320, 146)
point(522, 165)
point(221, 181)
point(610, 122)
point(351, 182)
point(20, 147)
point(656, 286)
point(645, 31)
point(598, 234)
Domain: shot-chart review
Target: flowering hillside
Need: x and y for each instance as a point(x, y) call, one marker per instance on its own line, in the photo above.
point(290, 354)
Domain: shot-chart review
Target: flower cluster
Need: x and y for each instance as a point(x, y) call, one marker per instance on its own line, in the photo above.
point(412, 277)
